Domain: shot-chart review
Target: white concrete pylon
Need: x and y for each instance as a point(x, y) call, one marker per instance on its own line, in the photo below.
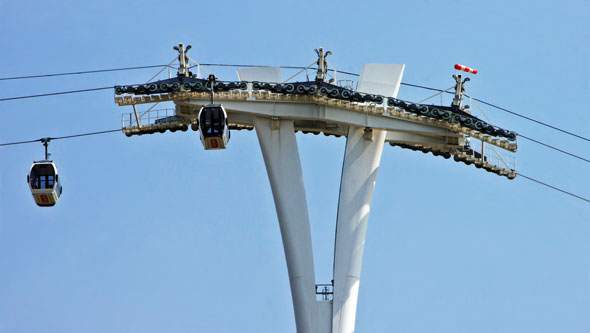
point(362, 157)
point(281, 157)
point(359, 172)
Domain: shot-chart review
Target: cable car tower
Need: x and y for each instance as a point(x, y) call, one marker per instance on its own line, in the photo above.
point(368, 116)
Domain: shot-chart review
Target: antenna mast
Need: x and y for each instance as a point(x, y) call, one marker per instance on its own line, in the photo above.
point(459, 87)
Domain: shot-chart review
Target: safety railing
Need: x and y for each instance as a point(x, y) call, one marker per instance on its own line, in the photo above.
point(491, 155)
point(324, 292)
point(150, 117)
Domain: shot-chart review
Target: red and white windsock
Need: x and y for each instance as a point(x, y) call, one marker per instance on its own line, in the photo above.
point(465, 69)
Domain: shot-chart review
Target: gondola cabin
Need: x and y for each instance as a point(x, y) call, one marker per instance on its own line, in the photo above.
point(44, 183)
point(213, 126)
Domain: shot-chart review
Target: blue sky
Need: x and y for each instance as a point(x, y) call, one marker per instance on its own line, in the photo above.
point(154, 234)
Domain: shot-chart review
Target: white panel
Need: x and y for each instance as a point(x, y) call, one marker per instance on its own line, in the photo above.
point(262, 74)
point(381, 79)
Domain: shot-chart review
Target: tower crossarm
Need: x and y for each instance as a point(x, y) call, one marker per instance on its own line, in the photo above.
point(320, 107)
point(178, 89)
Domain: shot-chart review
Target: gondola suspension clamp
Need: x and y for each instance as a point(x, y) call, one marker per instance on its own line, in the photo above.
point(45, 142)
point(212, 83)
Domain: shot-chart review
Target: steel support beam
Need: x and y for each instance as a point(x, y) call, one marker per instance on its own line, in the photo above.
point(310, 111)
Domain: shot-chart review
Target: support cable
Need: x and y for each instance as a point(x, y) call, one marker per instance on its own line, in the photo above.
point(54, 94)
point(553, 187)
point(199, 66)
point(78, 73)
point(250, 66)
point(554, 148)
point(478, 107)
point(531, 119)
point(60, 137)
point(434, 89)
point(505, 110)
point(286, 67)
point(438, 93)
point(118, 130)
point(166, 66)
point(301, 71)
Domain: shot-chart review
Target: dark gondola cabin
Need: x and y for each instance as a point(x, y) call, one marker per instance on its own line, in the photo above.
point(44, 183)
point(213, 126)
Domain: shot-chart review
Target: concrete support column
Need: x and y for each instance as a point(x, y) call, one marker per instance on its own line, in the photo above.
point(359, 172)
point(281, 157)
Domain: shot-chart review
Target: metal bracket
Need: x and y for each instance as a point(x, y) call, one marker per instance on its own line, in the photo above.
point(183, 69)
point(322, 64)
point(274, 123)
point(459, 89)
point(368, 135)
point(325, 291)
point(45, 142)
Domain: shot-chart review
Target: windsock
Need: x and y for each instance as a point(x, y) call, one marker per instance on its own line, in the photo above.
point(465, 69)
